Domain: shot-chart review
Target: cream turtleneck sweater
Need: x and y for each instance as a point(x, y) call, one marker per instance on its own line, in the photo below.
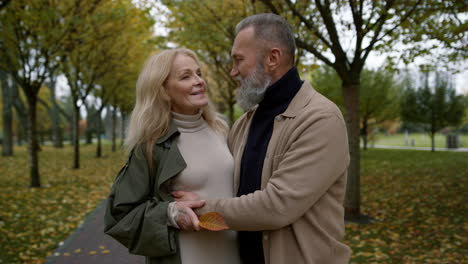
point(209, 174)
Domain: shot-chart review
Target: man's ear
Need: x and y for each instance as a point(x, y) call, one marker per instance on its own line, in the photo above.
point(274, 59)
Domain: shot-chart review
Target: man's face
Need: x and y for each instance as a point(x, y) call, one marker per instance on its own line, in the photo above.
point(244, 53)
point(248, 68)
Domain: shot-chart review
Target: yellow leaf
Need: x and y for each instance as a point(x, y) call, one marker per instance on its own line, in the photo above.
point(93, 252)
point(78, 250)
point(213, 221)
point(105, 251)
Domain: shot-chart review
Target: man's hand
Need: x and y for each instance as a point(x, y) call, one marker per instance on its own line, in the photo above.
point(185, 196)
point(186, 219)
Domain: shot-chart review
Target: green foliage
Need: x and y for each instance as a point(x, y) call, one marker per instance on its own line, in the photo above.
point(378, 97)
point(436, 106)
point(108, 45)
point(130, 48)
point(437, 32)
point(30, 34)
point(208, 28)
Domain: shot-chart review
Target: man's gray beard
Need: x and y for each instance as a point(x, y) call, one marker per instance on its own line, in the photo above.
point(252, 88)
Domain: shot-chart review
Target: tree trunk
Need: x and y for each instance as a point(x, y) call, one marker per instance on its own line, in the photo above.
point(76, 137)
point(22, 113)
point(7, 115)
point(88, 136)
point(353, 199)
point(20, 133)
point(364, 133)
point(122, 127)
point(98, 133)
point(114, 128)
point(432, 141)
point(32, 141)
point(56, 129)
point(433, 128)
point(89, 126)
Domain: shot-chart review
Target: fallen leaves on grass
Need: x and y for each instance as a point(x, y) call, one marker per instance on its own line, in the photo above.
point(418, 201)
point(34, 220)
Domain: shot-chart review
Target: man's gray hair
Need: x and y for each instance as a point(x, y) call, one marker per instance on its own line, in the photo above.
point(271, 28)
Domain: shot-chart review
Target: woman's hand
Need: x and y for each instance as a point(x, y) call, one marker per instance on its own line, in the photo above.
point(186, 218)
point(185, 196)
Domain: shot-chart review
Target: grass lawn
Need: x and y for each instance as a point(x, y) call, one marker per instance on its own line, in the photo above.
point(418, 199)
point(420, 140)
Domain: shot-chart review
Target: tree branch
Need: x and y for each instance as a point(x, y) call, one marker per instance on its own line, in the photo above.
point(325, 12)
point(308, 24)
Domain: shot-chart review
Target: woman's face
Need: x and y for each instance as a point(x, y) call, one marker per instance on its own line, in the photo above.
point(185, 86)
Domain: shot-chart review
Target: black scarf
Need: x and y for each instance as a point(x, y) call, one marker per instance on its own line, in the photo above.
point(276, 100)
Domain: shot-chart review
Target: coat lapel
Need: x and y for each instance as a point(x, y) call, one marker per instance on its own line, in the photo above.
point(174, 162)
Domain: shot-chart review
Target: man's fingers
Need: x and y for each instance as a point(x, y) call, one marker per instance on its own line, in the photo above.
point(177, 194)
point(185, 196)
point(195, 204)
point(194, 220)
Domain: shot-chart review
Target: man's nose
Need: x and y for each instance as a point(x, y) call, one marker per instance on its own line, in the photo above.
point(234, 72)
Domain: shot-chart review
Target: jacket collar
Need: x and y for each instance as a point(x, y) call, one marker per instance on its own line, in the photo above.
point(170, 132)
point(300, 100)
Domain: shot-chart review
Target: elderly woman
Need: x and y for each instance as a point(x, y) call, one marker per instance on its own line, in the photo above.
point(176, 142)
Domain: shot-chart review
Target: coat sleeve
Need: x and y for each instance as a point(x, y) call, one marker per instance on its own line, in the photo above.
point(313, 162)
point(134, 217)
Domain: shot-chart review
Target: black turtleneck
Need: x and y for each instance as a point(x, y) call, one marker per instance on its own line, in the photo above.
point(276, 100)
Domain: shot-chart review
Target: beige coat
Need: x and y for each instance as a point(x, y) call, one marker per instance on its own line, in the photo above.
point(299, 207)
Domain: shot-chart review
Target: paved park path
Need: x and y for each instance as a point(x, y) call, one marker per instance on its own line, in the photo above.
point(418, 148)
point(89, 245)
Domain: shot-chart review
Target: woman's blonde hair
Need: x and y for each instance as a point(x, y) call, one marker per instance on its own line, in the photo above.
point(151, 116)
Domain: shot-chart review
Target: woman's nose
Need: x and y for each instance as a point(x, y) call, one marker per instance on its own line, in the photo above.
point(199, 80)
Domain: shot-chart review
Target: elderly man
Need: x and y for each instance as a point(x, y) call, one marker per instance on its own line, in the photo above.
point(291, 155)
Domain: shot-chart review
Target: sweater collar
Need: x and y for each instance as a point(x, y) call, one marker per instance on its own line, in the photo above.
point(189, 123)
point(283, 90)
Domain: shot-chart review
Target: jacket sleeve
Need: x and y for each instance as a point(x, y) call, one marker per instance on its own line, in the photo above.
point(134, 217)
point(314, 161)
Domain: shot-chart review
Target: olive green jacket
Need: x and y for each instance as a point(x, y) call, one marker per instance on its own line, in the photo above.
point(136, 213)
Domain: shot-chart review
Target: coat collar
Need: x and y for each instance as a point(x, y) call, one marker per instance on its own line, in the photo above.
point(170, 132)
point(300, 100)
